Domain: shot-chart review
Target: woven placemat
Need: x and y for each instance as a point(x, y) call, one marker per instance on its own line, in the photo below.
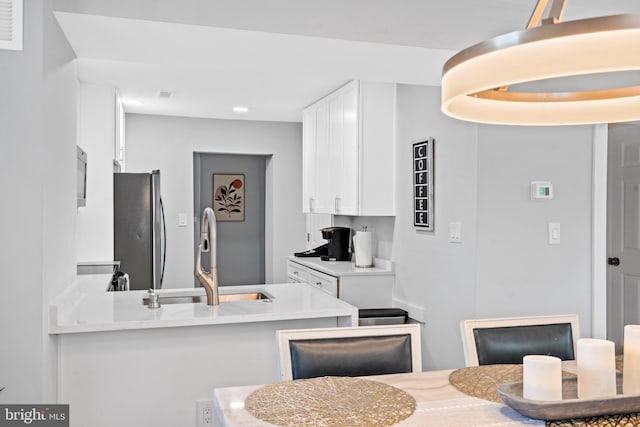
point(330, 402)
point(482, 382)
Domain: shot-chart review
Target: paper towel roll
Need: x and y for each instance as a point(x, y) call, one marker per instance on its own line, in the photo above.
point(542, 377)
point(596, 368)
point(631, 369)
point(363, 249)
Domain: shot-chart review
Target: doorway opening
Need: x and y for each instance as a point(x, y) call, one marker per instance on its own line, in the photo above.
point(240, 235)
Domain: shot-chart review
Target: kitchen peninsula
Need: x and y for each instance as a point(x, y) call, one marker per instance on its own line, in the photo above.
point(121, 363)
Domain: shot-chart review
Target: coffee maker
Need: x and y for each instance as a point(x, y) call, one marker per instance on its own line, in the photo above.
point(339, 243)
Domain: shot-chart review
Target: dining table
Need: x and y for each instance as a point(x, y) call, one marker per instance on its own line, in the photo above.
point(447, 398)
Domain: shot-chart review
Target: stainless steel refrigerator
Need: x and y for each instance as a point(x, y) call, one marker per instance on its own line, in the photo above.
point(139, 235)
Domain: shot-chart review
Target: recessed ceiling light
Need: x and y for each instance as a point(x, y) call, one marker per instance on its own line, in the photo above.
point(240, 109)
point(165, 94)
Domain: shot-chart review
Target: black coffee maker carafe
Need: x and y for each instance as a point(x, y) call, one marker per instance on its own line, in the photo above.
point(339, 243)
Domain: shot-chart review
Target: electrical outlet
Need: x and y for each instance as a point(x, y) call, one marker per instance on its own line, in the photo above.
point(204, 413)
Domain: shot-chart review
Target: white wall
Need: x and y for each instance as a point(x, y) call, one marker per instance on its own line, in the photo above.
point(38, 137)
point(96, 137)
point(504, 265)
point(519, 273)
point(168, 144)
point(59, 182)
point(431, 272)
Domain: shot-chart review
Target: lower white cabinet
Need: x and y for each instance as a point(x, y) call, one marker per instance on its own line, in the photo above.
point(324, 282)
point(297, 273)
point(363, 290)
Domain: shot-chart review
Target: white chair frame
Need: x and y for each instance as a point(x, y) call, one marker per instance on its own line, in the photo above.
point(469, 343)
point(284, 336)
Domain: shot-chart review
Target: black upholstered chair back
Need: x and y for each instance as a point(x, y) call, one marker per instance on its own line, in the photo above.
point(508, 339)
point(508, 345)
point(349, 351)
point(351, 357)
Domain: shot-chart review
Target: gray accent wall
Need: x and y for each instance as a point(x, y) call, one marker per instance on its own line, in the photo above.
point(168, 143)
point(240, 244)
point(38, 120)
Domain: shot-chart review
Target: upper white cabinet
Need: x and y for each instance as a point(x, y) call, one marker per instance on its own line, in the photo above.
point(348, 151)
point(308, 158)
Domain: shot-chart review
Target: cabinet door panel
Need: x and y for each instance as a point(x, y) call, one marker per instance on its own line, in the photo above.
point(297, 273)
point(377, 189)
point(349, 175)
point(324, 200)
point(336, 159)
point(328, 284)
point(308, 158)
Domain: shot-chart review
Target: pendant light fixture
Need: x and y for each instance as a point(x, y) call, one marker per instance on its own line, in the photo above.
point(476, 81)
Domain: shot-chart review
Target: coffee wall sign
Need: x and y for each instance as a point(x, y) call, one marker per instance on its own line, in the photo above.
point(423, 184)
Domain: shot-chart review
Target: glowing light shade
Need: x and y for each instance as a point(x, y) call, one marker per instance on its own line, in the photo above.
point(475, 79)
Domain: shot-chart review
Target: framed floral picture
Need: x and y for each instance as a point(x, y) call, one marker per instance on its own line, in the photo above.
point(228, 197)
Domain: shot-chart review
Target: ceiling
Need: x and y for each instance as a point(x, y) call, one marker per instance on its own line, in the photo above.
point(277, 56)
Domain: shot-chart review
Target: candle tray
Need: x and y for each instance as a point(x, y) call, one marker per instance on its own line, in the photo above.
point(570, 406)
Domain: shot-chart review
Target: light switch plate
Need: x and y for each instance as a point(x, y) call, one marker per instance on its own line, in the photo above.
point(554, 233)
point(455, 232)
point(182, 220)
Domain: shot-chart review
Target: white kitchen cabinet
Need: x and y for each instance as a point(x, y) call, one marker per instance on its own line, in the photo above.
point(321, 201)
point(343, 150)
point(324, 282)
point(297, 273)
point(352, 133)
point(363, 288)
point(308, 158)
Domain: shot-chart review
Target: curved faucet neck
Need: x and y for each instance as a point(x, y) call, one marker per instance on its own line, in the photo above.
point(208, 236)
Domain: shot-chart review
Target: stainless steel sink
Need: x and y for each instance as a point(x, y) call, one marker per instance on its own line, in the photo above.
point(196, 299)
point(250, 296)
point(177, 299)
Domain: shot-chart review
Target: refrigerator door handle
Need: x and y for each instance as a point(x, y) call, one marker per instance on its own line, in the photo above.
point(163, 241)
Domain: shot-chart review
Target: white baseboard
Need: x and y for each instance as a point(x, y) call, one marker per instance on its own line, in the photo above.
point(415, 312)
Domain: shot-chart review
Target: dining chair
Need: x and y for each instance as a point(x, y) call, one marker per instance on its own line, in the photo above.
point(507, 340)
point(349, 351)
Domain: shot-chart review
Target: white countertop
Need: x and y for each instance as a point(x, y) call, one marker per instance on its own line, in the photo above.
point(345, 268)
point(87, 307)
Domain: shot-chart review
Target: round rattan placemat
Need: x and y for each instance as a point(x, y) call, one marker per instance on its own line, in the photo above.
point(482, 382)
point(330, 402)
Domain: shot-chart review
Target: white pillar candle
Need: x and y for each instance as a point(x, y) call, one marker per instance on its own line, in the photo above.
point(631, 369)
point(596, 368)
point(541, 377)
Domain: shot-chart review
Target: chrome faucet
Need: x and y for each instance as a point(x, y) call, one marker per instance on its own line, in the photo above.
point(208, 244)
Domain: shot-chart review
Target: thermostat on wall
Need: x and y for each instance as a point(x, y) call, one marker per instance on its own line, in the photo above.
point(541, 190)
